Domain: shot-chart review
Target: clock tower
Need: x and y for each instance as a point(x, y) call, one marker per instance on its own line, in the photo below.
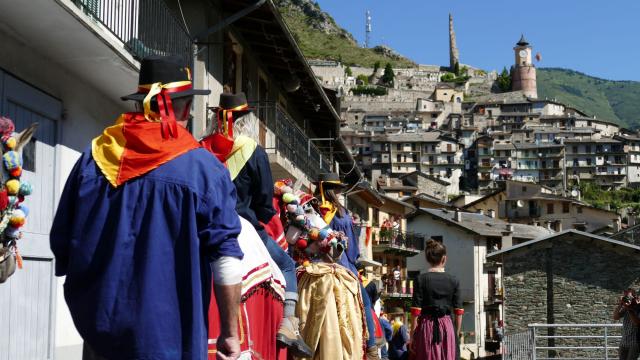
point(524, 73)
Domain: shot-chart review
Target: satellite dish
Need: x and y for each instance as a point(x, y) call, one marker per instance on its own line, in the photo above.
point(520, 203)
point(574, 193)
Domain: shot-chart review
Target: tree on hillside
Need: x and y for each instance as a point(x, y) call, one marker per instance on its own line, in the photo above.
point(376, 67)
point(388, 76)
point(504, 80)
point(362, 79)
point(347, 71)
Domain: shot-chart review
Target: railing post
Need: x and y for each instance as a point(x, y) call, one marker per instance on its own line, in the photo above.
point(533, 342)
point(606, 340)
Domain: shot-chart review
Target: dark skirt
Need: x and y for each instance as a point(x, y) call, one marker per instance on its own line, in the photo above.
point(423, 339)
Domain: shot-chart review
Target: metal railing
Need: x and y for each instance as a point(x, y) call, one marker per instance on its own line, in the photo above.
point(564, 342)
point(145, 27)
point(291, 141)
point(401, 239)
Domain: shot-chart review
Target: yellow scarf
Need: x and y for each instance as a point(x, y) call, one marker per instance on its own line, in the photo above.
point(243, 148)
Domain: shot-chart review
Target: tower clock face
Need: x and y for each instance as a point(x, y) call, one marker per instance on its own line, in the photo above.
point(523, 53)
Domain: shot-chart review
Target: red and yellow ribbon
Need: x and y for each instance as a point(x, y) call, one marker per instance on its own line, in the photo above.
point(166, 116)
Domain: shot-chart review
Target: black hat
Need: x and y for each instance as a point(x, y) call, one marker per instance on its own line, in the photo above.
point(165, 70)
point(235, 102)
point(330, 180)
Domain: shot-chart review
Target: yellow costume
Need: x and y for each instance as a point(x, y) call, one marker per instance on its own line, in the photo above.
point(331, 312)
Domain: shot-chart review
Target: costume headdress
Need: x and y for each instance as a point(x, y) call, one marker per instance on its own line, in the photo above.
point(162, 79)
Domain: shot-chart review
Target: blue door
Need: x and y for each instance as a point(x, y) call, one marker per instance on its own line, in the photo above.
point(27, 299)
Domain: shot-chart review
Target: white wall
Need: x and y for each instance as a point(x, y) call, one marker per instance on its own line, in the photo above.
point(465, 261)
point(86, 113)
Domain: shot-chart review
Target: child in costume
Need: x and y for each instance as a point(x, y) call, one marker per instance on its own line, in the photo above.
point(233, 142)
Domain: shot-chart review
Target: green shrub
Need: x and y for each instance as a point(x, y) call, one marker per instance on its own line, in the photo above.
point(369, 90)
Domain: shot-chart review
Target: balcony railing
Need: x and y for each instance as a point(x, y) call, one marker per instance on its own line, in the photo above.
point(144, 27)
point(391, 240)
point(291, 141)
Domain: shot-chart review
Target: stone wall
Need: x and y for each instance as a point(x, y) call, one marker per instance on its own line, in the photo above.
point(587, 277)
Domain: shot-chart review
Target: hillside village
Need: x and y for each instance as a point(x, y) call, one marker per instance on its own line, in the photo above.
point(466, 138)
point(472, 159)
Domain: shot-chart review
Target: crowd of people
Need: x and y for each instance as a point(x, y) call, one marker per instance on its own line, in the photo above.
point(175, 248)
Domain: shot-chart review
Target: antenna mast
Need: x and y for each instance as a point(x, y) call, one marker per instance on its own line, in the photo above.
point(367, 39)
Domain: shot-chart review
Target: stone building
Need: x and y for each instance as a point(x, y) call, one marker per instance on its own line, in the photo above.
point(569, 277)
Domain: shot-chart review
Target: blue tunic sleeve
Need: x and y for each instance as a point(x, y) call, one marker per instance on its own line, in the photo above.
point(345, 224)
point(262, 200)
point(60, 234)
point(218, 222)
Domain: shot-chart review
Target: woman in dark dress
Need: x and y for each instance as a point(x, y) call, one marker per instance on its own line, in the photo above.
point(436, 297)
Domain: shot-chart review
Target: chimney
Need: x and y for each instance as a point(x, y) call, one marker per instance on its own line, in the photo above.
point(457, 216)
point(507, 236)
point(549, 225)
point(491, 213)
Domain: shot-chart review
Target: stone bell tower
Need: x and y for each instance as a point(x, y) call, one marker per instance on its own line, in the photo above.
point(454, 55)
point(524, 72)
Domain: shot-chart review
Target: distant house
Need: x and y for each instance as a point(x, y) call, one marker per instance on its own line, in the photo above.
point(469, 237)
point(569, 277)
point(528, 203)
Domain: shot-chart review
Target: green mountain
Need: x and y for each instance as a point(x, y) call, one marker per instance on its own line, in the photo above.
point(617, 101)
point(320, 37)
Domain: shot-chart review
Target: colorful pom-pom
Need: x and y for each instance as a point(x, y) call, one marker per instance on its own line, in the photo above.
point(13, 187)
point(24, 209)
point(306, 263)
point(11, 143)
point(288, 198)
point(4, 199)
point(25, 188)
point(292, 208)
point(286, 189)
point(11, 160)
point(301, 244)
point(15, 173)
point(323, 234)
point(13, 201)
point(18, 218)
point(314, 234)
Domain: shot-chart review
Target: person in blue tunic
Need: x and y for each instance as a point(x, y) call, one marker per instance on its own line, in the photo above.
point(146, 219)
point(250, 171)
point(339, 219)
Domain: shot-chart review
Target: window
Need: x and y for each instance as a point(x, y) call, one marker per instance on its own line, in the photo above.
point(524, 189)
point(398, 147)
point(574, 148)
point(565, 208)
point(579, 209)
point(589, 162)
point(550, 208)
point(399, 158)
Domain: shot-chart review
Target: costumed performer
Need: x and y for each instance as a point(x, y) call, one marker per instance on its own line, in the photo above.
point(233, 142)
point(145, 219)
point(339, 219)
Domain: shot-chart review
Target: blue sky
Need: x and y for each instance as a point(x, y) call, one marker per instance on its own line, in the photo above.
point(597, 37)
